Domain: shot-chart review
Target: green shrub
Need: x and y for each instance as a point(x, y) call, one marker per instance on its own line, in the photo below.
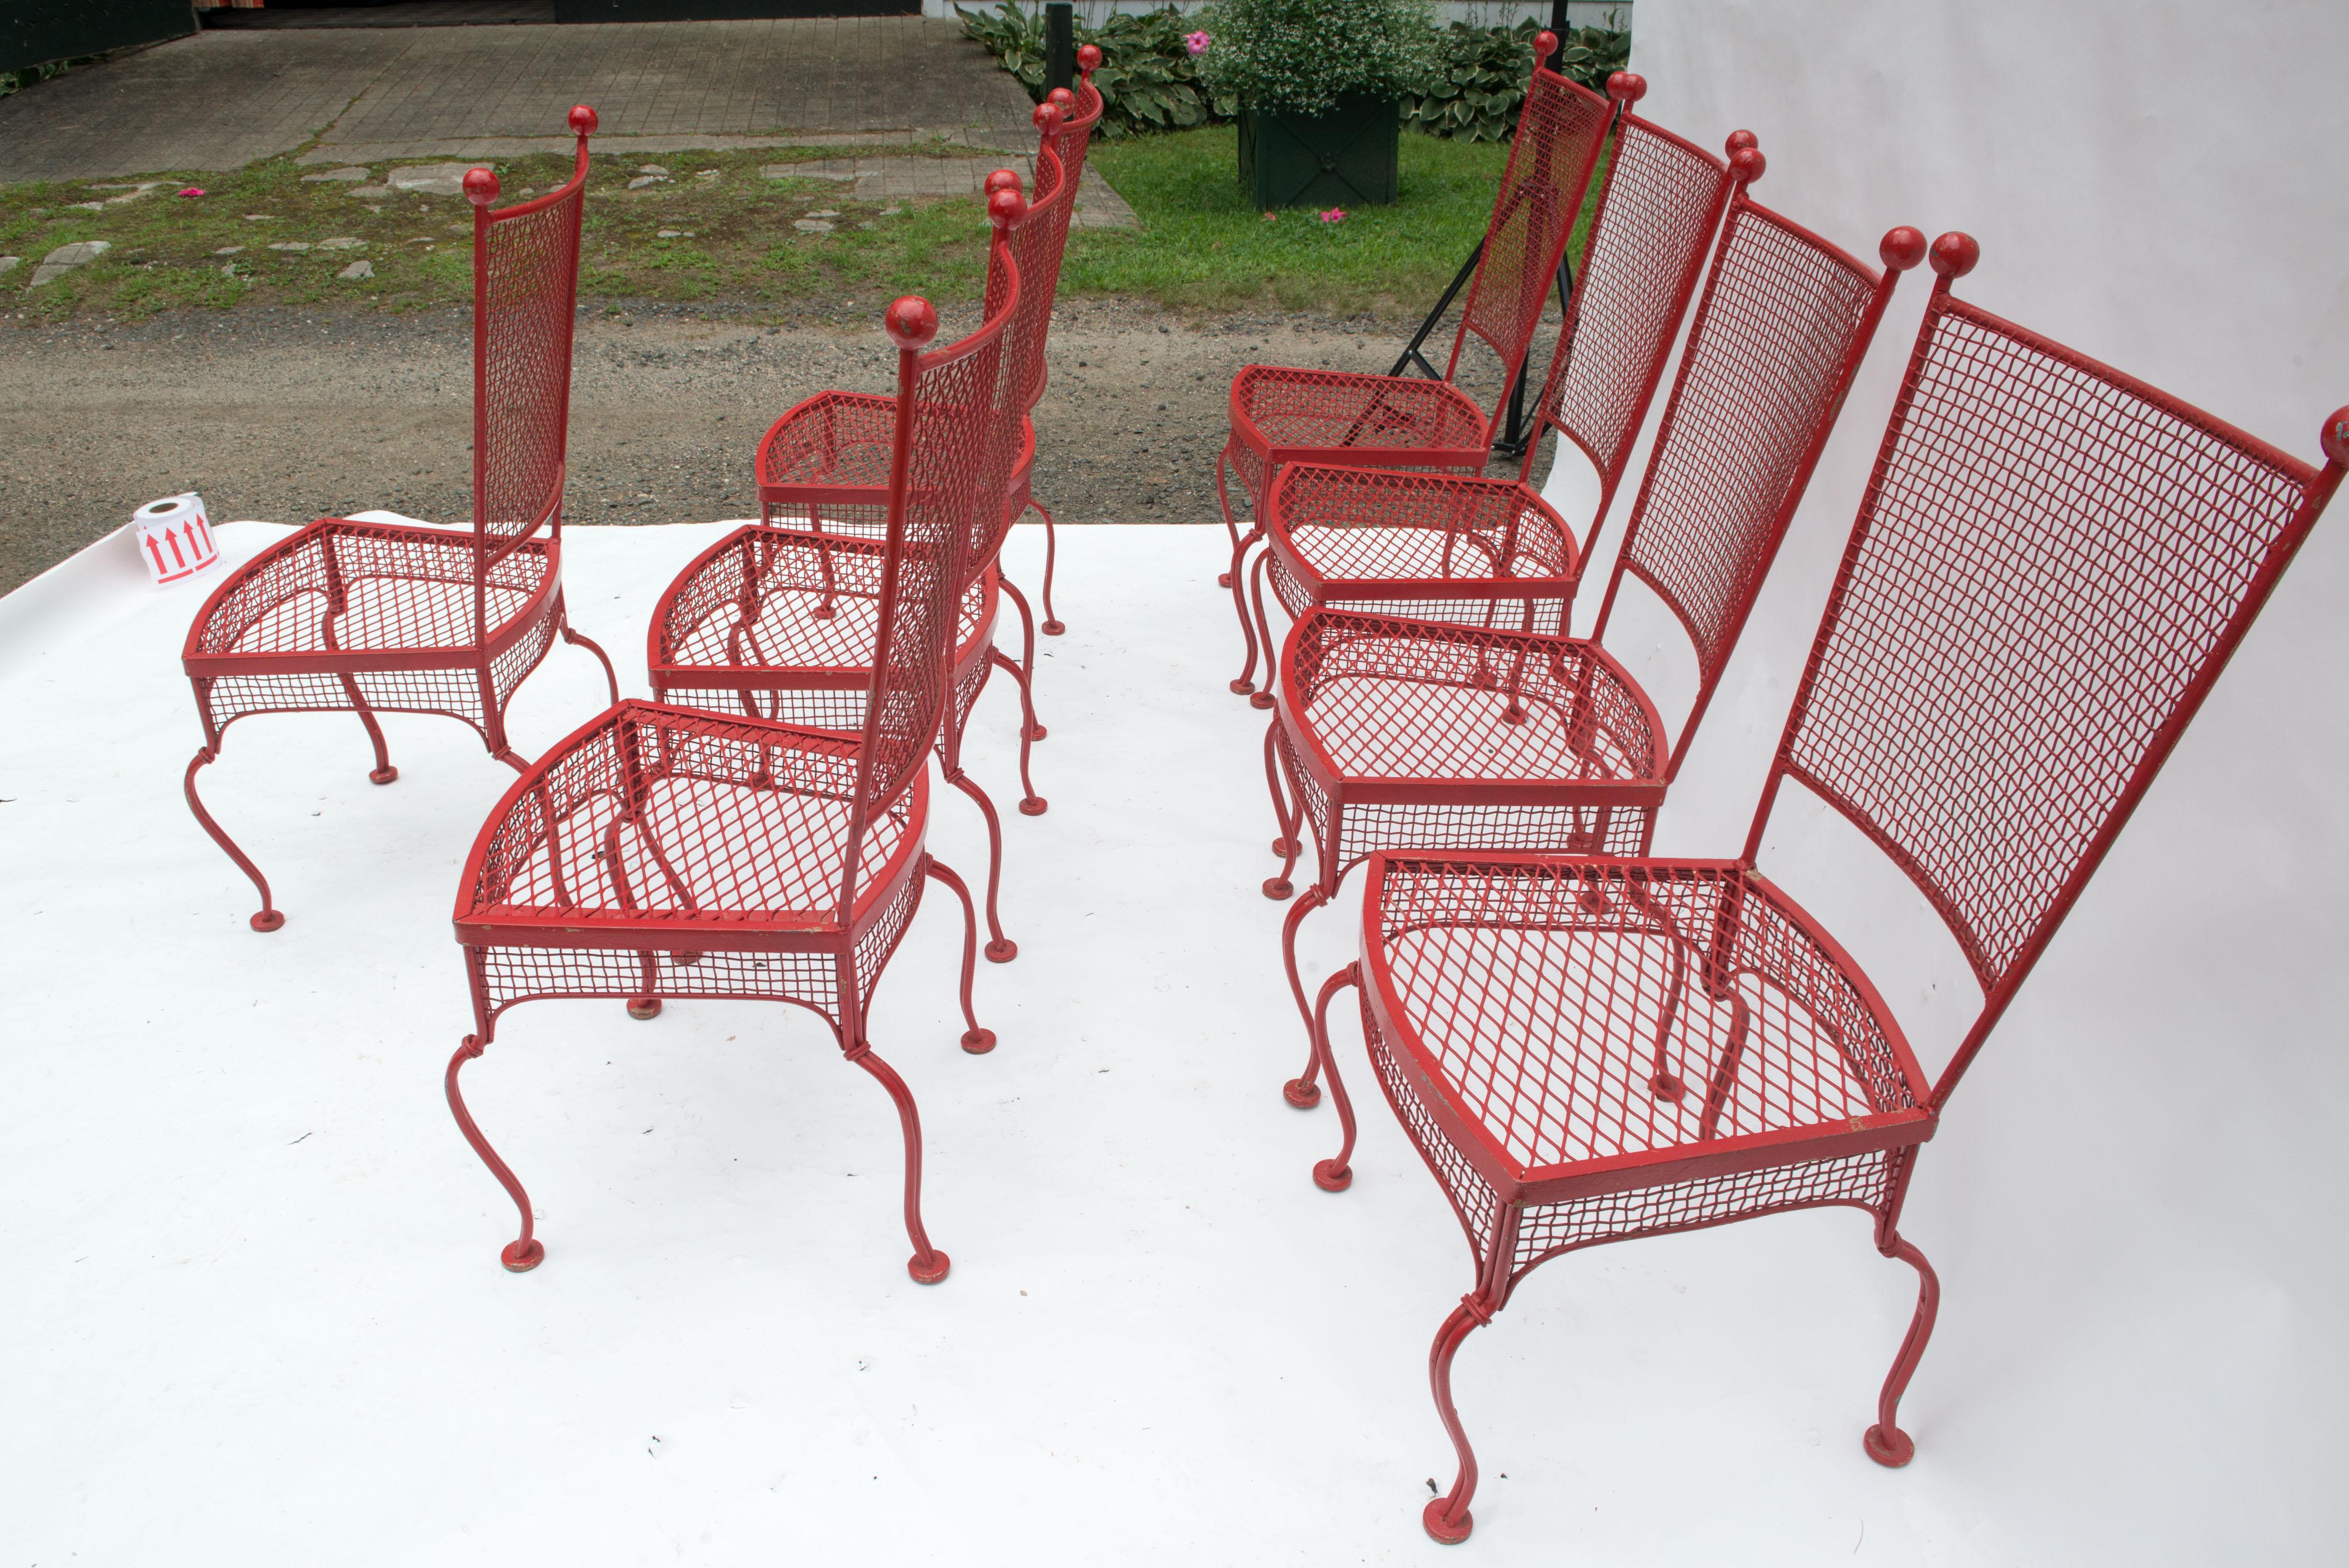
point(1469, 82)
point(1303, 56)
point(1480, 74)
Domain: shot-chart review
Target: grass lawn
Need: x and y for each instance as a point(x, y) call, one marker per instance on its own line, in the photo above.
point(1204, 245)
point(729, 237)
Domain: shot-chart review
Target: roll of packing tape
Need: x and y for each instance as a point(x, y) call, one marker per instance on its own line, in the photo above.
point(175, 539)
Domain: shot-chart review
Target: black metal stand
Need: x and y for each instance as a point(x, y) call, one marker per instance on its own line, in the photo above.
point(1059, 45)
point(1516, 434)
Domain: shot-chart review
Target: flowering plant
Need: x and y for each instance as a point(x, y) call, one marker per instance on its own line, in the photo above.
point(1197, 42)
point(1334, 215)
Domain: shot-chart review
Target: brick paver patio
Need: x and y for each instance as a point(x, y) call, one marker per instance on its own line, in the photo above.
point(221, 100)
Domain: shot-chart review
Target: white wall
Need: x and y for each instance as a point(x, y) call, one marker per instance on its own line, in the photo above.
point(2137, 1199)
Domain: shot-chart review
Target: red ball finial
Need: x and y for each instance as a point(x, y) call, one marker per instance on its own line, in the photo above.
point(1005, 208)
point(1063, 97)
point(1047, 116)
point(1544, 46)
point(1739, 141)
point(1747, 164)
point(1954, 254)
point(480, 187)
point(1627, 87)
point(1001, 180)
point(1902, 248)
point(2335, 438)
point(582, 119)
point(1089, 58)
point(910, 321)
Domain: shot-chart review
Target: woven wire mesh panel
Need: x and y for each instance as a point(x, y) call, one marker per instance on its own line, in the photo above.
point(1546, 615)
point(958, 430)
point(694, 818)
point(1075, 139)
point(2048, 556)
point(812, 977)
point(1037, 242)
point(523, 291)
point(1655, 213)
point(1472, 1198)
point(1560, 128)
point(1861, 1180)
point(1757, 381)
point(1548, 995)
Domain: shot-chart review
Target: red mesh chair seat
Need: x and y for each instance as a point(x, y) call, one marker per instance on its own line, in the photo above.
point(1552, 1033)
point(1284, 415)
point(1404, 735)
point(832, 441)
point(658, 825)
point(1483, 552)
point(405, 592)
point(793, 618)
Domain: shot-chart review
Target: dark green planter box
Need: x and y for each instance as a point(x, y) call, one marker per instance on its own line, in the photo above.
point(1343, 158)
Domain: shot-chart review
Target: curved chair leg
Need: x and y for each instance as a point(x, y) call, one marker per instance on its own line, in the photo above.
point(1245, 682)
point(1263, 699)
point(976, 1041)
point(1335, 1175)
point(1223, 499)
point(1446, 1518)
point(1000, 949)
point(524, 1252)
point(1302, 1091)
point(578, 640)
point(1053, 627)
point(929, 1265)
point(1030, 804)
point(1028, 728)
point(1285, 817)
point(268, 918)
point(1886, 1443)
point(384, 772)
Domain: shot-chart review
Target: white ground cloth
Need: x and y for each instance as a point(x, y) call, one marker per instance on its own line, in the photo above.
point(254, 1310)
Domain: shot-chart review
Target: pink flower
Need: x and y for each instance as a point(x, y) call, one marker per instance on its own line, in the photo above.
point(1271, 217)
point(1334, 215)
point(1197, 43)
point(192, 191)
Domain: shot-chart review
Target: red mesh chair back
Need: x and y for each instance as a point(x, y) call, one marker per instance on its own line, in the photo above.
point(1657, 207)
point(2052, 565)
point(525, 287)
point(948, 417)
point(1038, 241)
point(1784, 322)
point(1080, 111)
point(1561, 131)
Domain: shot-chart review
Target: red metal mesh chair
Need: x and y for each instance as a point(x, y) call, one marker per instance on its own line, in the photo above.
point(2051, 566)
point(1080, 112)
point(374, 616)
point(664, 851)
point(1415, 543)
point(1281, 414)
point(1399, 733)
point(786, 608)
